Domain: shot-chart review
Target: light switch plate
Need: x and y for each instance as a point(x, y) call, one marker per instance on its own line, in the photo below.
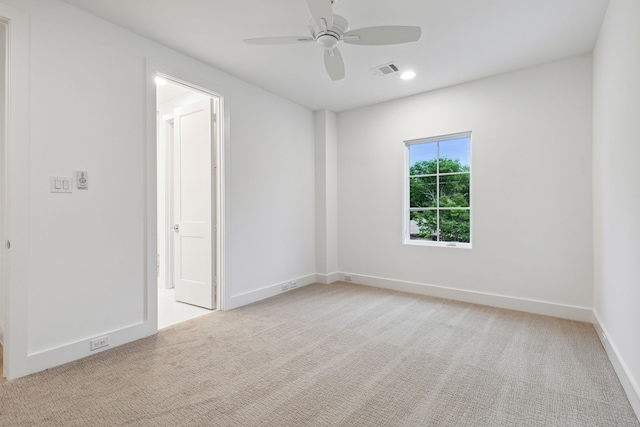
point(60, 184)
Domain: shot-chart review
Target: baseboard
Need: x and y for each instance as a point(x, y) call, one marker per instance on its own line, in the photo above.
point(629, 385)
point(582, 314)
point(267, 292)
point(80, 349)
point(327, 279)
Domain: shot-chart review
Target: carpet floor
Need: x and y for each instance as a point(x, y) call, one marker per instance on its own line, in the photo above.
point(337, 355)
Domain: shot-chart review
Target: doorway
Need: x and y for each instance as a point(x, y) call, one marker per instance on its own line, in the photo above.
point(188, 201)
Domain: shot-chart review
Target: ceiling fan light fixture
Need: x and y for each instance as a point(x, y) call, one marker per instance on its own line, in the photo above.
point(327, 41)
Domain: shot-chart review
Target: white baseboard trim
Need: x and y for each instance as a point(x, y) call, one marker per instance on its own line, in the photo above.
point(629, 384)
point(63, 354)
point(267, 292)
point(582, 314)
point(327, 279)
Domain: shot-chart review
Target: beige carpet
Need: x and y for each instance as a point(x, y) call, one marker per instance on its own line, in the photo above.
point(338, 354)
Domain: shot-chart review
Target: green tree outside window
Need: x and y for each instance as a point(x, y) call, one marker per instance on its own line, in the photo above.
point(439, 198)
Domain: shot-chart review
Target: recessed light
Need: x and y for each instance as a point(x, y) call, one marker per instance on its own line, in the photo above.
point(407, 75)
point(160, 81)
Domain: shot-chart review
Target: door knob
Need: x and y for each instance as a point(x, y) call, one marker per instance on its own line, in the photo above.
point(176, 228)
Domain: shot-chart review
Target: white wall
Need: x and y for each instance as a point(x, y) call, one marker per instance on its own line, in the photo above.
point(272, 196)
point(86, 250)
point(616, 174)
point(531, 198)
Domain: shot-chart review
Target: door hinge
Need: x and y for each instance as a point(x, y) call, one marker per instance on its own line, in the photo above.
point(8, 244)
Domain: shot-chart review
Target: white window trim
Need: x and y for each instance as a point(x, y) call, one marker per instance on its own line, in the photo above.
point(406, 223)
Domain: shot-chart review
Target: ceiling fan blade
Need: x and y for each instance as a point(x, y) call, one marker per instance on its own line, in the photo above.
point(334, 64)
point(278, 40)
point(322, 10)
point(376, 36)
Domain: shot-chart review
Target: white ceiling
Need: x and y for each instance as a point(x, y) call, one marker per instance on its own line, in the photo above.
point(462, 40)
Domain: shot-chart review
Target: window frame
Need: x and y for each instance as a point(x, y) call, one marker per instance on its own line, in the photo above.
point(406, 208)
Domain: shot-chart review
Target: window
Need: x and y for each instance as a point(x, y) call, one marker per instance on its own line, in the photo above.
point(437, 202)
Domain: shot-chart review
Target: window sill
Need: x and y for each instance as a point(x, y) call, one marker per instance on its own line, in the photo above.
point(418, 242)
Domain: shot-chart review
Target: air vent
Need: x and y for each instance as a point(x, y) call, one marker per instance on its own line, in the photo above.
point(383, 70)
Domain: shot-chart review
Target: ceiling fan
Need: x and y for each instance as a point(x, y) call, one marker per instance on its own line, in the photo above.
point(328, 29)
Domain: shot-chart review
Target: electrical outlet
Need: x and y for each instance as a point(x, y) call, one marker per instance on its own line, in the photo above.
point(294, 284)
point(348, 278)
point(285, 287)
point(99, 343)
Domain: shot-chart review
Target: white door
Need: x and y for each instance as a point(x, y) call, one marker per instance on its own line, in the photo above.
point(194, 278)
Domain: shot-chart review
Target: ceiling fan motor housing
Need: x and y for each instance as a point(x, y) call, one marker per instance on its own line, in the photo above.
point(329, 38)
point(327, 41)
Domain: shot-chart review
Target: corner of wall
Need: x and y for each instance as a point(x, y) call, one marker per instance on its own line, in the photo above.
point(616, 106)
point(326, 188)
point(327, 279)
point(629, 385)
point(239, 300)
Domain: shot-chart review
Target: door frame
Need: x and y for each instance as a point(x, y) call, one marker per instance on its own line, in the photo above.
point(4, 241)
point(14, 280)
point(220, 152)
